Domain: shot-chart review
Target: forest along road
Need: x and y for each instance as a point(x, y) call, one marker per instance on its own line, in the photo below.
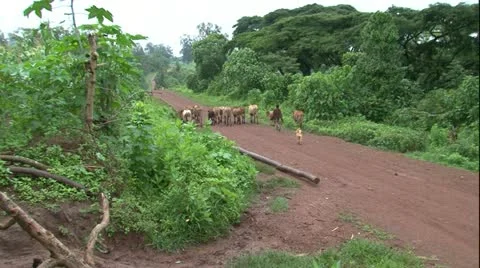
point(429, 207)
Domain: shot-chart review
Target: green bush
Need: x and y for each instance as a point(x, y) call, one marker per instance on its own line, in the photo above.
point(254, 96)
point(188, 186)
point(438, 136)
point(467, 143)
point(462, 152)
point(359, 130)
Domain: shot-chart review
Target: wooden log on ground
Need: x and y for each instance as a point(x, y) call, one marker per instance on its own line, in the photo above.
point(281, 167)
point(40, 173)
point(24, 160)
point(260, 158)
point(299, 173)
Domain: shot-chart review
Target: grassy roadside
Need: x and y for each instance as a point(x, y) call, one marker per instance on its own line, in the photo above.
point(353, 253)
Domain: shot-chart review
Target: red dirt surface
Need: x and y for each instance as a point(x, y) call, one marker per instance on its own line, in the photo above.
point(429, 207)
point(432, 208)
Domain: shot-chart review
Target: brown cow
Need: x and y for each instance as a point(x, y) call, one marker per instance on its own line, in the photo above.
point(218, 114)
point(298, 117)
point(238, 115)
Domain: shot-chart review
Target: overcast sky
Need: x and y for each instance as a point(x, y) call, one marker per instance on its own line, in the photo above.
point(164, 22)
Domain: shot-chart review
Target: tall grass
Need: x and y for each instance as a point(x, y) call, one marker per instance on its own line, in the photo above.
point(356, 253)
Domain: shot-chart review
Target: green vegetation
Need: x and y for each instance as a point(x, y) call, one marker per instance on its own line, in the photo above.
point(190, 188)
point(279, 204)
point(392, 80)
point(400, 80)
point(277, 182)
point(264, 168)
point(165, 180)
point(354, 253)
point(353, 219)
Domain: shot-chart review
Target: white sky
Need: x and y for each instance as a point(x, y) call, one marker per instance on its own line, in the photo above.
point(164, 22)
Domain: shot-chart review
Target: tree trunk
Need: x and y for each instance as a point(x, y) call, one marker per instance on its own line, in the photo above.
point(91, 65)
point(279, 166)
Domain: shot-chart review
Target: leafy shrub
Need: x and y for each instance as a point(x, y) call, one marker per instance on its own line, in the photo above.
point(188, 186)
point(438, 136)
point(467, 143)
point(323, 95)
point(254, 96)
point(359, 130)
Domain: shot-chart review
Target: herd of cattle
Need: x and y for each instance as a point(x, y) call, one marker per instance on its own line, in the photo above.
point(229, 116)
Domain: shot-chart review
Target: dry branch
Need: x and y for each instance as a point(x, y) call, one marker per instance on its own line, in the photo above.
point(57, 249)
point(7, 223)
point(24, 160)
point(279, 166)
point(60, 255)
point(94, 234)
point(40, 173)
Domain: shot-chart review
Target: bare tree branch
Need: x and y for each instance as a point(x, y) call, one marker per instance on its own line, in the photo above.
point(96, 231)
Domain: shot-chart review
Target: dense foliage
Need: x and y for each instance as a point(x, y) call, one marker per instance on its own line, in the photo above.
point(165, 179)
point(186, 186)
point(401, 71)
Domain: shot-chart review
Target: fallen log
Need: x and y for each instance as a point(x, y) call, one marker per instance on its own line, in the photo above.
point(56, 248)
point(260, 158)
point(44, 174)
point(281, 167)
point(24, 160)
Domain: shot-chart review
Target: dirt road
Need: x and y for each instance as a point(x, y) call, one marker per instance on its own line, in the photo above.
point(432, 208)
